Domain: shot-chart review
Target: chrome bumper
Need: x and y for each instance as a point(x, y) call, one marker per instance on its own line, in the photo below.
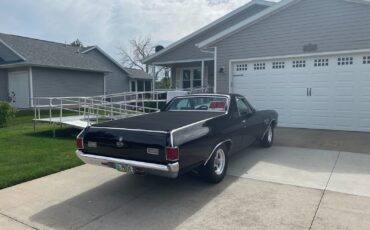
point(170, 170)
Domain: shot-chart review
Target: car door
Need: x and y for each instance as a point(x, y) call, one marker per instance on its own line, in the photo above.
point(249, 122)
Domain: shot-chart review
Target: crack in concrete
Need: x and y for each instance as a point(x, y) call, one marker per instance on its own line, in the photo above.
point(18, 221)
point(323, 193)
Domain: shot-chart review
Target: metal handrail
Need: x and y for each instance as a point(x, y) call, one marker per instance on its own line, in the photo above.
point(111, 106)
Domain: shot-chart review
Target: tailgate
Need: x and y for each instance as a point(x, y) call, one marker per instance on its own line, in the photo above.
point(140, 145)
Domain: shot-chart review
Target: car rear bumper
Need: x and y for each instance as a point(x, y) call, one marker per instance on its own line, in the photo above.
point(170, 170)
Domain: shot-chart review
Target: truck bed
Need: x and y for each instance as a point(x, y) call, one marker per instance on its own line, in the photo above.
point(163, 121)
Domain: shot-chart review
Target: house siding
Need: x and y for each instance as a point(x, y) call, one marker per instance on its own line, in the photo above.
point(188, 50)
point(66, 83)
point(3, 85)
point(332, 25)
point(118, 80)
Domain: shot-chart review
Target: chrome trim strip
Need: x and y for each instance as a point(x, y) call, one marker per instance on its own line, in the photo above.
point(214, 149)
point(138, 130)
point(168, 170)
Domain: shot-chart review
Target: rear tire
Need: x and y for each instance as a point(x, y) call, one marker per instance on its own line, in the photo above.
point(268, 138)
point(215, 169)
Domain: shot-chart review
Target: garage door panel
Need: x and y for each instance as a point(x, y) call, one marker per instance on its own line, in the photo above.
point(340, 94)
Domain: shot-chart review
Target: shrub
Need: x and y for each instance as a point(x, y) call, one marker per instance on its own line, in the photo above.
point(6, 113)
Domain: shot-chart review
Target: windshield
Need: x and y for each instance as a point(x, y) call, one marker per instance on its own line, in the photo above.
point(199, 103)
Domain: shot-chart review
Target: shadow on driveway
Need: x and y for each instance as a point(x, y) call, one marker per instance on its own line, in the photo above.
point(134, 202)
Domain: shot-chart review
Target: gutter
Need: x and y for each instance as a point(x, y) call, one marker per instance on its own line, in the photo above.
point(24, 64)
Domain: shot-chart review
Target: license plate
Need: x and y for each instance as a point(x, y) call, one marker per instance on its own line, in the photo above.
point(124, 168)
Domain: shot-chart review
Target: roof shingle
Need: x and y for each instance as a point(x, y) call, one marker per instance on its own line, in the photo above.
point(51, 54)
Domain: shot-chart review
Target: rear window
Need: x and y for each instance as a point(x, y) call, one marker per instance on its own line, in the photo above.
point(201, 103)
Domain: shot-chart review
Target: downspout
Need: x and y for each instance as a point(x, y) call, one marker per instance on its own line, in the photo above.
point(30, 76)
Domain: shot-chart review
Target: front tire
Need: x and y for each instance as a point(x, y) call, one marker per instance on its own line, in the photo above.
point(215, 169)
point(268, 138)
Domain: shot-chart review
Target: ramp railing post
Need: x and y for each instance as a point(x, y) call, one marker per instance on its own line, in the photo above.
point(61, 112)
point(142, 102)
point(39, 108)
point(136, 99)
point(156, 96)
point(84, 108)
point(79, 106)
point(50, 104)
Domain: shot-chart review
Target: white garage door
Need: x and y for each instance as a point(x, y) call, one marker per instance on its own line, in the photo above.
point(330, 92)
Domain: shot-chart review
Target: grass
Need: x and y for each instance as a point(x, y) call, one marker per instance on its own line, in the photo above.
point(27, 155)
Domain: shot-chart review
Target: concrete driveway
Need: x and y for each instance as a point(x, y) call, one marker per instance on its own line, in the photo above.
point(276, 188)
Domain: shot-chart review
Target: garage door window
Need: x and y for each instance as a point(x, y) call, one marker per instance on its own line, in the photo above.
point(321, 62)
point(278, 65)
point(241, 67)
point(345, 61)
point(299, 64)
point(259, 66)
point(367, 60)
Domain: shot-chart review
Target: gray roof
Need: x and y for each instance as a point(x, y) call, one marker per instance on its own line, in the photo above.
point(138, 74)
point(51, 54)
point(132, 73)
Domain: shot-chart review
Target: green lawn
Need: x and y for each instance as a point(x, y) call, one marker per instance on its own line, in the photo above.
point(26, 155)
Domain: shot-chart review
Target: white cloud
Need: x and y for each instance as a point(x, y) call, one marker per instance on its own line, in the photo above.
point(110, 23)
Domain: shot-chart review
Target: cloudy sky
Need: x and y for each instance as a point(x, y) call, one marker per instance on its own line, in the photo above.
point(110, 23)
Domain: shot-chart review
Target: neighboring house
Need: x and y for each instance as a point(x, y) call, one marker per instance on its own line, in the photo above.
point(307, 59)
point(37, 68)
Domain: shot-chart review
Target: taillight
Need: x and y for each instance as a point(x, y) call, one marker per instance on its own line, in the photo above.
point(80, 143)
point(172, 153)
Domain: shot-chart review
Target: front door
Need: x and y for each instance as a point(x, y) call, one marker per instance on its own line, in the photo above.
point(19, 89)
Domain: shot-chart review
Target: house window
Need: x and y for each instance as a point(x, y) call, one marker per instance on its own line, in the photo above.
point(191, 78)
point(133, 86)
point(197, 78)
point(186, 79)
point(366, 60)
point(321, 62)
point(241, 67)
point(345, 61)
point(299, 64)
point(278, 65)
point(148, 86)
point(259, 66)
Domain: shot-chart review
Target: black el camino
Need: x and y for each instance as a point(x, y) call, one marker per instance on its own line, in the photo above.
point(195, 132)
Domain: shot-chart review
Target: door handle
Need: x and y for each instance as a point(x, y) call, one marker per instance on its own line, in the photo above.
point(309, 92)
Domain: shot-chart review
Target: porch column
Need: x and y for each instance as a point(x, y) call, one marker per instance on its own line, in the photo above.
point(202, 74)
point(153, 69)
point(215, 70)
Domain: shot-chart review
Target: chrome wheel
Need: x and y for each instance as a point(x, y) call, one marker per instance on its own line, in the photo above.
point(269, 134)
point(219, 162)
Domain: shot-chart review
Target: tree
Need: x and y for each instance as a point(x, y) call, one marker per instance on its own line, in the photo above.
point(139, 49)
